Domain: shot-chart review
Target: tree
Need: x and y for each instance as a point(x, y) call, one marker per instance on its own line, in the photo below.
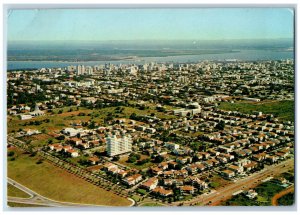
point(131, 159)
point(158, 159)
point(116, 158)
point(133, 116)
point(10, 154)
point(61, 137)
point(220, 125)
point(92, 125)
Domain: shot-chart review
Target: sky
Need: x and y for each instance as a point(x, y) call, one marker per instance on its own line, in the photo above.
point(149, 24)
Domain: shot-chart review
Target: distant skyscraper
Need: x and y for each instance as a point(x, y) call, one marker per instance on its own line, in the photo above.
point(80, 70)
point(89, 70)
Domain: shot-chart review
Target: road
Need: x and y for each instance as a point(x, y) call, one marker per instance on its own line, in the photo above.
point(38, 199)
point(280, 194)
point(252, 181)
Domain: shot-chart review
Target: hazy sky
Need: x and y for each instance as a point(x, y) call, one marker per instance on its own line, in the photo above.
point(153, 24)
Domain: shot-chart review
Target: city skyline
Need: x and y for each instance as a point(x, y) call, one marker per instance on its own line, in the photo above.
point(150, 24)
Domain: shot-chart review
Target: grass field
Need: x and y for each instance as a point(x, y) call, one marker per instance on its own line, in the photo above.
point(154, 204)
point(265, 193)
point(21, 205)
point(59, 121)
point(57, 184)
point(284, 110)
point(12, 191)
point(216, 181)
point(124, 158)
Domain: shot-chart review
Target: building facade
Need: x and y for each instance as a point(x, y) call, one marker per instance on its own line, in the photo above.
point(116, 144)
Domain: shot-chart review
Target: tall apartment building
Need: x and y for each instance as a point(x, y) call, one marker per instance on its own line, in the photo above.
point(89, 70)
point(80, 70)
point(118, 144)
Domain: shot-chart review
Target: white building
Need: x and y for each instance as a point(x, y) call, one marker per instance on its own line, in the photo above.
point(120, 144)
point(89, 70)
point(25, 116)
point(71, 131)
point(37, 112)
point(80, 70)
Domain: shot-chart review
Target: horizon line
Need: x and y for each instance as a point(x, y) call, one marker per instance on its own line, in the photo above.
point(281, 38)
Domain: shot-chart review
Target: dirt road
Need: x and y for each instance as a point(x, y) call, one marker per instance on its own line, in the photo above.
point(280, 194)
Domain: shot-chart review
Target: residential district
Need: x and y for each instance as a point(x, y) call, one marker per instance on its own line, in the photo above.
point(163, 132)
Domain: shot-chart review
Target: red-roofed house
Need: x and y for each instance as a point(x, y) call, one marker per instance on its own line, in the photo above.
point(150, 184)
point(73, 153)
point(132, 180)
point(187, 189)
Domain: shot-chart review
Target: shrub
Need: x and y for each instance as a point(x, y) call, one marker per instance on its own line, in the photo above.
point(39, 161)
point(10, 154)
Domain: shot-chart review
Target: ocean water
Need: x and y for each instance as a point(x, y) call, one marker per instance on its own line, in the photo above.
point(242, 55)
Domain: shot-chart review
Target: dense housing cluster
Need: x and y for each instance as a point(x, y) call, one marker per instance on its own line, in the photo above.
point(162, 130)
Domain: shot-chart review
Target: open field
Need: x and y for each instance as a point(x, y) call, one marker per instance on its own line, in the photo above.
point(265, 193)
point(216, 181)
point(58, 121)
point(124, 158)
point(22, 205)
point(284, 110)
point(57, 184)
point(15, 192)
point(151, 205)
point(188, 134)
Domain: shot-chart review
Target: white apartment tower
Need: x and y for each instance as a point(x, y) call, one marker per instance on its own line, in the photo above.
point(80, 70)
point(89, 70)
point(118, 144)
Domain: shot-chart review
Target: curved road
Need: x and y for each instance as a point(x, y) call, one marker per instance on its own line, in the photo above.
point(280, 194)
point(38, 199)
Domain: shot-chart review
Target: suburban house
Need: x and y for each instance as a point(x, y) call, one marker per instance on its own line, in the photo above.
point(227, 173)
point(94, 160)
point(162, 192)
point(187, 189)
point(150, 184)
point(132, 180)
point(73, 153)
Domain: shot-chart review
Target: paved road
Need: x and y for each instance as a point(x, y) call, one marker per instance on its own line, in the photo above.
point(280, 194)
point(252, 181)
point(21, 187)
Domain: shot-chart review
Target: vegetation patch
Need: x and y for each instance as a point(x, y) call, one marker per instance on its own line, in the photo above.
point(154, 204)
point(57, 184)
point(12, 191)
point(22, 205)
point(265, 193)
point(287, 199)
point(284, 110)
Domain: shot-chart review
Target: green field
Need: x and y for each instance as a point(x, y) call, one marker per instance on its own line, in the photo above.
point(12, 191)
point(59, 121)
point(287, 199)
point(265, 193)
point(151, 205)
point(21, 205)
point(57, 184)
point(284, 110)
